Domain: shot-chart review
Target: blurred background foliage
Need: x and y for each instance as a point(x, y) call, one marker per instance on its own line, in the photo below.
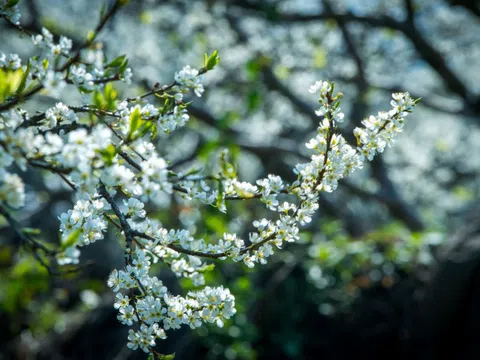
point(373, 275)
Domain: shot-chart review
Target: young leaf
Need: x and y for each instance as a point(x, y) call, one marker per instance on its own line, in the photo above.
point(166, 357)
point(212, 60)
point(135, 123)
point(108, 154)
point(98, 100)
point(23, 83)
point(116, 62)
point(71, 239)
point(206, 268)
point(144, 128)
point(110, 94)
point(123, 66)
point(31, 231)
point(11, 3)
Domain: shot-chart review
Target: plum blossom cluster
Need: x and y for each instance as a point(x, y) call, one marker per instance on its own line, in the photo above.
point(199, 190)
point(155, 310)
point(10, 61)
point(188, 79)
point(87, 219)
point(51, 49)
point(87, 76)
point(160, 242)
point(154, 177)
point(171, 116)
point(82, 225)
point(370, 140)
point(43, 66)
point(60, 114)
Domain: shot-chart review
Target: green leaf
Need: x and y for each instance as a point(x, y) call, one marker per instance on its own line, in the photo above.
point(166, 357)
point(206, 268)
point(212, 60)
point(31, 231)
point(11, 3)
point(117, 61)
point(85, 90)
point(123, 66)
point(144, 129)
point(110, 94)
point(108, 154)
point(98, 100)
point(167, 105)
point(135, 123)
point(139, 127)
point(9, 82)
point(23, 83)
point(71, 239)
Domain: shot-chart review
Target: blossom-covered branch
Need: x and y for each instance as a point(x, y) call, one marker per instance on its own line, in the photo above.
point(113, 165)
